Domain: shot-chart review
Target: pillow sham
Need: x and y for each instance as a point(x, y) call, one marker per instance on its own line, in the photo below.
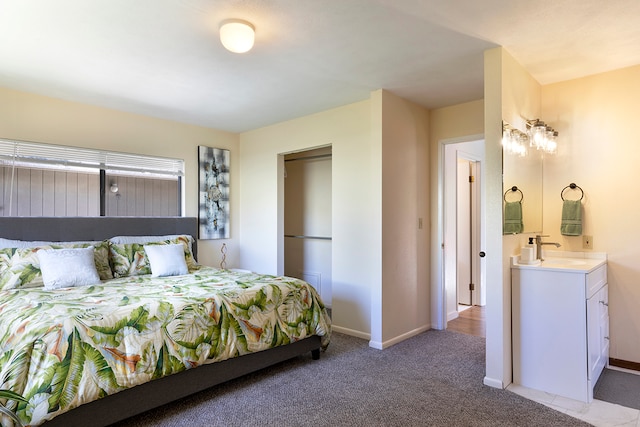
point(20, 267)
point(166, 260)
point(129, 259)
point(66, 268)
point(151, 239)
point(147, 239)
point(10, 243)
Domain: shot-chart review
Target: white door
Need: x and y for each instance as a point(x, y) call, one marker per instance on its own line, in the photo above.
point(467, 233)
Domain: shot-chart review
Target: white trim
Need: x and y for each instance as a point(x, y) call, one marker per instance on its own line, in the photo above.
point(351, 332)
point(492, 382)
point(459, 139)
point(438, 302)
point(452, 316)
point(388, 343)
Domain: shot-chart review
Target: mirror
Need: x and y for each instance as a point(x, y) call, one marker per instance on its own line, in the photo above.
point(525, 173)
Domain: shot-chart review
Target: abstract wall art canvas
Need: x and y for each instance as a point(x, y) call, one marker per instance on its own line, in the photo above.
point(213, 194)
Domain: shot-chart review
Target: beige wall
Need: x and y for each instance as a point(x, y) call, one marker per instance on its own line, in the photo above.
point(380, 188)
point(29, 117)
point(355, 225)
point(405, 298)
point(455, 123)
point(511, 94)
point(449, 124)
point(598, 144)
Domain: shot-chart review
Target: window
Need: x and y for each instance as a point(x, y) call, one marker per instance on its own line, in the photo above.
point(51, 180)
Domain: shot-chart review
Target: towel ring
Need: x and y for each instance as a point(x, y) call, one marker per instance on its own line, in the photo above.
point(572, 186)
point(513, 189)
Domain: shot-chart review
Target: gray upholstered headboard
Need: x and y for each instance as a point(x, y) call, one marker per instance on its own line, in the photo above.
point(69, 229)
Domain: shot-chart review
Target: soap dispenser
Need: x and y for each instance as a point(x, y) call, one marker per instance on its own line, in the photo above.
point(528, 252)
point(532, 245)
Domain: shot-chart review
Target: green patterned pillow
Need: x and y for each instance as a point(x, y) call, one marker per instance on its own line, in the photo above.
point(20, 267)
point(130, 259)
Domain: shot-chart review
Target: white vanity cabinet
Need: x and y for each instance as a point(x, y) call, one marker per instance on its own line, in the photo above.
point(560, 321)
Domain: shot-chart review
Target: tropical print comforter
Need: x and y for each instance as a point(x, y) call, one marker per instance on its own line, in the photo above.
point(62, 348)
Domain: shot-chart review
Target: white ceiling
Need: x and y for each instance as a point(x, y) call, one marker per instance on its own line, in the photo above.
point(163, 57)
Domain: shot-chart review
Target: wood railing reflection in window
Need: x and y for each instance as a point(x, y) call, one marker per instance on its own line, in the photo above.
point(141, 196)
point(49, 192)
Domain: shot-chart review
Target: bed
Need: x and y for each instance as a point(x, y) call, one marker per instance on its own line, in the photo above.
point(109, 350)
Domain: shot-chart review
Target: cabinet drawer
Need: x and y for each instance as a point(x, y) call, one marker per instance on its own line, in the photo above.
point(596, 280)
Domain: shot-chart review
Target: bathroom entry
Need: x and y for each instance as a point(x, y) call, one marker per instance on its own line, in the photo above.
point(307, 218)
point(462, 228)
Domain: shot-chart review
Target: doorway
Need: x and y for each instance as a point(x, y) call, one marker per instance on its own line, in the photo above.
point(307, 219)
point(464, 293)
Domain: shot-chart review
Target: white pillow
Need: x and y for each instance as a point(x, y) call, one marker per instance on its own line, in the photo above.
point(65, 268)
point(166, 260)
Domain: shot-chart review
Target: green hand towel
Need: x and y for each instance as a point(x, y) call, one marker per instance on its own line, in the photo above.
point(513, 218)
point(571, 224)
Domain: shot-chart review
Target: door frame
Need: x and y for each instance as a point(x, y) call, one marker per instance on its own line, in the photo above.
point(440, 297)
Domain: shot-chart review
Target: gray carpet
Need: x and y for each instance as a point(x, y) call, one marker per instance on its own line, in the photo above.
point(618, 387)
point(433, 379)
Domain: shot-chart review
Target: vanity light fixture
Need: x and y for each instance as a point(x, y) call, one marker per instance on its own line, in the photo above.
point(237, 35)
point(538, 135)
point(542, 136)
point(514, 141)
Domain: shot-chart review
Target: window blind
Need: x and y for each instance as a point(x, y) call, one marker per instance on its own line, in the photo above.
point(67, 156)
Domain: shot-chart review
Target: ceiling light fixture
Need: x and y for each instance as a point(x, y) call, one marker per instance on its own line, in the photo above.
point(237, 35)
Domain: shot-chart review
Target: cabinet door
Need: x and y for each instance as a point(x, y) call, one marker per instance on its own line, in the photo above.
point(598, 332)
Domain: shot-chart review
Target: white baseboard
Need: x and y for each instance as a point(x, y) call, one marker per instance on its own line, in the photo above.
point(492, 382)
point(351, 332)
point(388, 343)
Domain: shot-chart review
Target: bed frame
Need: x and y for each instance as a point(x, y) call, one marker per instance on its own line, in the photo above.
point(164, 390)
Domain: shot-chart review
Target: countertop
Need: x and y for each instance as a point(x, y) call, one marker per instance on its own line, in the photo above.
point(564, 261)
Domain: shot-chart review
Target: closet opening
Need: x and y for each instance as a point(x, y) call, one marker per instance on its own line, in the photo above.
point(307, 218)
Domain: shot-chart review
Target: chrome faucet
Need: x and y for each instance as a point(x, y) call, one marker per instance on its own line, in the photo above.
point(539, 244)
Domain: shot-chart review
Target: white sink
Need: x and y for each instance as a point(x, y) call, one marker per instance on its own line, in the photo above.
point(555, 261)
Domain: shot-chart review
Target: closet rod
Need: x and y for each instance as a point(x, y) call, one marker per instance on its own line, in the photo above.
point(307, 237)
point(319, 156)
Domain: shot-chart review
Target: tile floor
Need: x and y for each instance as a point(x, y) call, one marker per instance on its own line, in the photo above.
point(597, 413)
